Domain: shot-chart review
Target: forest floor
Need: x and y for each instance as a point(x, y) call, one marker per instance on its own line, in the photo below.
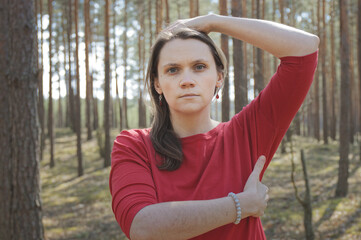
point(80, 207)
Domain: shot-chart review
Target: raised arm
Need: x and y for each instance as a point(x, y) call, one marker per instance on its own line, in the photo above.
point(278, 39)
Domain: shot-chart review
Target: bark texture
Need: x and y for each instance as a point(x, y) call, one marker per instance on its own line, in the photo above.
point(20, 206)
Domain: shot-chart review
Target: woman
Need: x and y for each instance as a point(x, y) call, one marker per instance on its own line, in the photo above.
point(176, 180)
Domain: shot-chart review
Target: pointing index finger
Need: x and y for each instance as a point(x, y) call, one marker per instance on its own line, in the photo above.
point(259, 165)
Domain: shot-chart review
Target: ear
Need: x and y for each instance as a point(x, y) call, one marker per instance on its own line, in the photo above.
point(157, 86)
point(220, 79)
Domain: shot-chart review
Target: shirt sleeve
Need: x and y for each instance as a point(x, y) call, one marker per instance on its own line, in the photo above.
point(270, 114)
point(131, 183)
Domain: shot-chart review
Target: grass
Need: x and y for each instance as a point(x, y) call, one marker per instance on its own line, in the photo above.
point(80, 207)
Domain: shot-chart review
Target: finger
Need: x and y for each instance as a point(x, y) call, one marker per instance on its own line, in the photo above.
point(259, 165)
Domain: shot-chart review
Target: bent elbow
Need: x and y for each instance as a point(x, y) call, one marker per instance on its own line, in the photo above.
point(315, 42)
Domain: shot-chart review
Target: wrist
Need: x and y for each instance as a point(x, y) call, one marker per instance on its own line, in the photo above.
point(214, 20)
point(243, 200)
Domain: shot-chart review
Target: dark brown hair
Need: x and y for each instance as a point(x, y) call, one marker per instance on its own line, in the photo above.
point(165, 141)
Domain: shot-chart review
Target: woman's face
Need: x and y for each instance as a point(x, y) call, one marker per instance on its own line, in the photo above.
point(187, 75)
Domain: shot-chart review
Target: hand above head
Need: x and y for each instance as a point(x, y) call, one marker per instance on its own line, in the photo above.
point(200, 23)
point(255, 194)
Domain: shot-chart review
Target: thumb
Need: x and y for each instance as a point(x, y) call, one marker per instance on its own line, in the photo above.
point(259, 165)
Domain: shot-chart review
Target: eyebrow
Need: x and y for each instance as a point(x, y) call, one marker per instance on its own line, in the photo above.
point(176, 64)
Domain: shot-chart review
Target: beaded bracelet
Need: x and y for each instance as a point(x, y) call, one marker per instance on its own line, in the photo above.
point(238, 207)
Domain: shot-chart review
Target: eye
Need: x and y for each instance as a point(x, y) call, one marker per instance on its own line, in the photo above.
point(200, 67)
point(172, 70)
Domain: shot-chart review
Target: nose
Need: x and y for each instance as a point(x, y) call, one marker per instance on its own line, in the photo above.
point(187, 80)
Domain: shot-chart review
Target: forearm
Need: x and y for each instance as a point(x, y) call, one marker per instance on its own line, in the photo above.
point(182, 220)
point(277, 39)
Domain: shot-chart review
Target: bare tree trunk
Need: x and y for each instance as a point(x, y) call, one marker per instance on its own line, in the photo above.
point(87, 73)
point(274, 19)
point(193, 8)
point(306, 202)
point(95, 99)
point(50, 108)
point(20, 207)
point(316, 98)
point(324, 86)
point(65, 19)
point(352, 93)
point(333, 73)
point(141, 107)
point(125, 57)
point(150, 23)
point(40, 86)
point(259, 79)
point(280, 6)
point(342, 183)
point(359, 61)
point(166, 11)
point(107, 88)
point(78, 107)
point(224, 47)
point(178, 10)
point(59, 122)
point(245, 55)
point(240, 80)
point(281, 9)
point(115, 70)
point(158, 14)
point(70, 87)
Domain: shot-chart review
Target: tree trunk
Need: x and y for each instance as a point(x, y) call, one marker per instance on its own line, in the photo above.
point(87, 73)
point(40, 86)
point(307, 219)
point(50, 107)
point(274, 19)
point(59, 122)
point(240, 80)
point(359, 62)
point(150, 24)
point(20, 208)
point(65, 25)
point(78, 107)
point(245, 55)
point(224, 47)
point(107, 89)
point(166, 11)
point(142, 120)
point(316, 100)
point(125, 57)
point(280, 6)
point(324, 86)
point(333, 73)
point(158, 15)
point(259, 79)
point(342, 183)
point(193, 8)
point(70, 87)
point(115, 71)
point(352, 93)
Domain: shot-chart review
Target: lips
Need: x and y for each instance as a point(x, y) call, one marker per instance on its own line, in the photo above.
point(189, 95)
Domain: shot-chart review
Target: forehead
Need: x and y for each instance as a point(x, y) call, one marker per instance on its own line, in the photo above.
point(179, 50)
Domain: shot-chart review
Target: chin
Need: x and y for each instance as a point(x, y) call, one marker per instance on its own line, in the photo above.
point(190, 108)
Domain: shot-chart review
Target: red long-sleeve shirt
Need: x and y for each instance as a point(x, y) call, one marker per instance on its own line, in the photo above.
point(215, 163)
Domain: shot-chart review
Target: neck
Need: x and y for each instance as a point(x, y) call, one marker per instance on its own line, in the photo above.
point(186, 125)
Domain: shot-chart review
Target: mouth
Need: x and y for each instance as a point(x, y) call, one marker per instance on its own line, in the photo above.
point(188, 95)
